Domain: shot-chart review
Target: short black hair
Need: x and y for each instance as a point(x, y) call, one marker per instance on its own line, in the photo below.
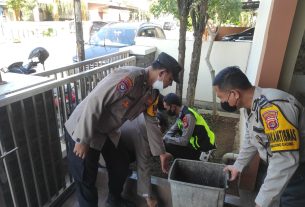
point(231, 78)
point(172, 98)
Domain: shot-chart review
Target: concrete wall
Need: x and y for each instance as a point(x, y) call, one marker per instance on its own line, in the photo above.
point(258, 39)
point(223, 54)
point(287, 80)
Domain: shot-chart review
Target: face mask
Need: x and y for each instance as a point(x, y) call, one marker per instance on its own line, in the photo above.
point(158, 84)
point(226, 106)
point(171, 113)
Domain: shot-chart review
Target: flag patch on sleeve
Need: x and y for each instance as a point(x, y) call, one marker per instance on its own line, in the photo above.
point(124, 85)
point(185, 122)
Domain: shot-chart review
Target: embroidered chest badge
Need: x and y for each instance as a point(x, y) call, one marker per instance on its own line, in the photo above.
point(185, 122)
point(124, 85)
point(271, 119)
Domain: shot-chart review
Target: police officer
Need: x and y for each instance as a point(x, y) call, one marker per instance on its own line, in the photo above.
point(190, 135)
point(140, 139)
point(275, 128)
point(120, 96)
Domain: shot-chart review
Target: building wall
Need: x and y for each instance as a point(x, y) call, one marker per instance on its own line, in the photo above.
point(292, 77)
point(276, 41)
point(223, 54)
point(262, 22)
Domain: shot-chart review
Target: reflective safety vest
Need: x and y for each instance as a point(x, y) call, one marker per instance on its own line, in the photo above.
point(203, 138)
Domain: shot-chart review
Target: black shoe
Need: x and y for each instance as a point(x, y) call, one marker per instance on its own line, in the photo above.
point(113, 201)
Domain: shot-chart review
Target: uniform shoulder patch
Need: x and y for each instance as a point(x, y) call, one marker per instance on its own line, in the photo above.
point(282, 135)
point(185, 122)
point(124, 85)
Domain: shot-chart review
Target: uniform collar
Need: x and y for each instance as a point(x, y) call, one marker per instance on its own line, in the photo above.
point(256, 96)
point(182, 109)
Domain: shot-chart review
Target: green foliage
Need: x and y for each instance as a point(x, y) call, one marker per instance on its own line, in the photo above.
point(224, 11)
point(27, 10)
point(65, 10)
point(84, 11)
point(15, 4)
point(247, 19)
point(220, 11)
point(48, 33)
point(164, 7)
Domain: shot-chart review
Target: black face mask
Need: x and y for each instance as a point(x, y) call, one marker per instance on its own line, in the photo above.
point(225, 105)
point(170, 112)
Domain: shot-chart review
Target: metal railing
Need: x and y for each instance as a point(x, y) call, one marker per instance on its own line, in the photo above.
point(83, 65)
point(33, 166)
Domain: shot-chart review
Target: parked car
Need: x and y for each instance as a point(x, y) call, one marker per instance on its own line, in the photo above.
point(89, 28)
point(169, 25)
point(95, 26)
point(242, 36)
point(113, 36)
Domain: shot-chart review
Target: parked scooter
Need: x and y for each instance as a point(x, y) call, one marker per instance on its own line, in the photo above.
point(38, 55)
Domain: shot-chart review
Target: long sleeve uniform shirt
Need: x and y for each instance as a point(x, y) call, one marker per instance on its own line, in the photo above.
point(275, 128)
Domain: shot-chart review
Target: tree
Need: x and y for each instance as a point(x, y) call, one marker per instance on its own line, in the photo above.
point(199, 17)
point(180, 9)
point(219, 11)
point(184, 9)
point(79, 30)
point(16, 6)
point(27, 10)
point(165, 7)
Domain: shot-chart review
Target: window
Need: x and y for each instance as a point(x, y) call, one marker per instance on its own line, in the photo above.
point(147, 32)
point(160, 33)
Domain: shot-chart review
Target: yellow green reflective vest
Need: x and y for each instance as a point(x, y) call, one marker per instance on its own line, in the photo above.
point(203, 138)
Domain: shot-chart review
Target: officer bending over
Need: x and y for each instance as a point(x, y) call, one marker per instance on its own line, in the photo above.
point(122, 95)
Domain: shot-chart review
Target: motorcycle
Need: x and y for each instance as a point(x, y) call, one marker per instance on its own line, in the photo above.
point(36, 56)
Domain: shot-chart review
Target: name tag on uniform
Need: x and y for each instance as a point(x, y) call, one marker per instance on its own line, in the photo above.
point(282, 135)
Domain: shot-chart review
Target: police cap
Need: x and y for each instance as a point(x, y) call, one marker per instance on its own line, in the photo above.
point(171, 64)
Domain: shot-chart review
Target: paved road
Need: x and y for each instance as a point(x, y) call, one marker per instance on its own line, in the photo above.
point(61, 49)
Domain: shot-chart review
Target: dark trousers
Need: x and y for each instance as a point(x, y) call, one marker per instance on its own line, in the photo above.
point(182, 151)
point(117, 162)
point(84, 172)
point(294, 194)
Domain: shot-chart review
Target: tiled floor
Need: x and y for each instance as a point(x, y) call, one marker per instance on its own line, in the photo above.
point(102, 180)
point(101, 183)
point(161, 187)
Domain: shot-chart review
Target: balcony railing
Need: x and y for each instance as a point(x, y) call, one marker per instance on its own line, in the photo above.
point(33, 166)
point(84, 65)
